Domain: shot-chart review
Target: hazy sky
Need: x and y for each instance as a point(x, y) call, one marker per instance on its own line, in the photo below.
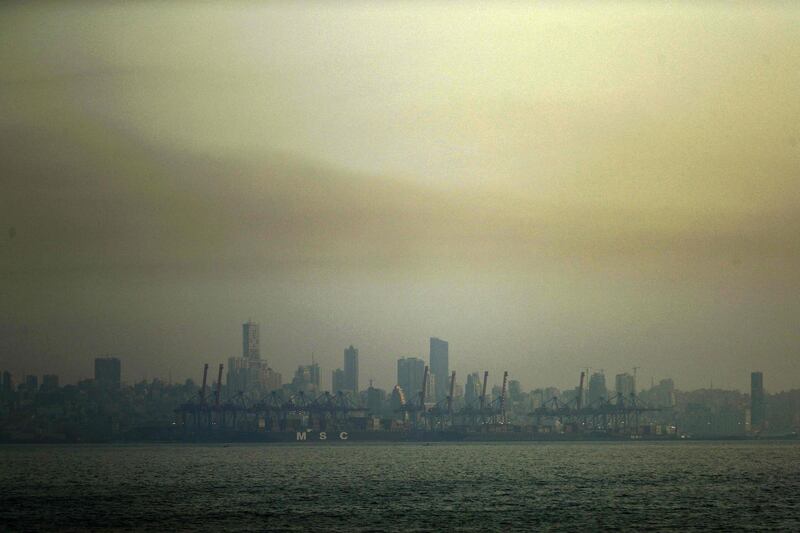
point(547, 187)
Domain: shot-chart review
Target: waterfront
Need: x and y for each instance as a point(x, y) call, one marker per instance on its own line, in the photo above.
point(486, 486)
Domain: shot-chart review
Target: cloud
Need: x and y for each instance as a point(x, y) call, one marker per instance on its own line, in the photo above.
point(600, 175)
point(109, 202)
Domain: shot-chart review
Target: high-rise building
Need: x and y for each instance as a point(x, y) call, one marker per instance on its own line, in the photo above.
point(7, 384)
point(31, 383)
point(306, 378)
point(337, 381)
point(351, 369)
point(49, 382)
point(249, 373)
point(430, 389)
point(239, 379)
point(458, 391)
point(548, 393)
point(108, 372)
point(250, 341)
point(514, 390)
point(440, 367)
point(598, 393)
point(251, 376)
point(410, 372)
point(313, 370)
point(472, 390)
point(376, 400)
point(663, 394)
point(625, 386)
point(497, 391)
point(757, 408)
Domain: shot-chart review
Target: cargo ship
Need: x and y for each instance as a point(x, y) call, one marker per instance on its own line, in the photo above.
point(314, 436)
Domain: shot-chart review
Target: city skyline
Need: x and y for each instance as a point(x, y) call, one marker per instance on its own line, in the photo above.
point(408, 374)
point(399, 266)
point(534, 189)
point(264, 407)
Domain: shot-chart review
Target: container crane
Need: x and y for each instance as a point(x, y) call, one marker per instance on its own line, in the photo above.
point(216, 399)
point(483, 390)
point(503, 397)
point(452, 392)
point(205, 381)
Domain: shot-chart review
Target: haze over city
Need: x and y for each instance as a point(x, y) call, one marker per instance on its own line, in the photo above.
point(547, 189)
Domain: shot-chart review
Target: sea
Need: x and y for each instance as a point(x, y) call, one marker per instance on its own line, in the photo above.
point(569, 486)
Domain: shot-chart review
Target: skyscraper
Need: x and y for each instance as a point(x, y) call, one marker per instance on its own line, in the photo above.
point(49, 382)
point(440, 368)
point(598, 393)
point(664, 393)
point(376, 400)
point(251, 376)
point(410, 372)
point(31, 383)
point(313, 370)
point(625, 386)
point(306, 379)
point(757, 411)
point(514, 390)
point(337, 380)
point(472, 390)
point(430, 389)
point(107, 372)
point(7, 384)
point(351, 369)
point(250, 341)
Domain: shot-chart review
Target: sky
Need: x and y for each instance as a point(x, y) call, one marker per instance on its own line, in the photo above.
point(548, 187)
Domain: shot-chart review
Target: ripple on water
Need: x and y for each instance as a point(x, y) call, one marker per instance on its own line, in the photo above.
point(406, 487)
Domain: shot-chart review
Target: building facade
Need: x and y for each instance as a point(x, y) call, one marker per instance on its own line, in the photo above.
point(307, 379)
point(757, 404)
point(625, 386)
point(440, 366)
point(49, 382)
point(251, 377)
point(410, 372)
point(251, 348)
point(472, 390)
point(337, 380)
point(351, 369)
point(376, 401)
point(598, 392)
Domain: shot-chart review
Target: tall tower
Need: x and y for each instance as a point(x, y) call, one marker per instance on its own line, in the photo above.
point(757, 411)
point(598, 393)
point(351, 369)
point(472, 390)
point(440, 367)
point(410, 372)
point(625, 386)
point(337, 380)
point(250, 347)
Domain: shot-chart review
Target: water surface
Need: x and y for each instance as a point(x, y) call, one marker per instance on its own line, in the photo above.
point(412, 487)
